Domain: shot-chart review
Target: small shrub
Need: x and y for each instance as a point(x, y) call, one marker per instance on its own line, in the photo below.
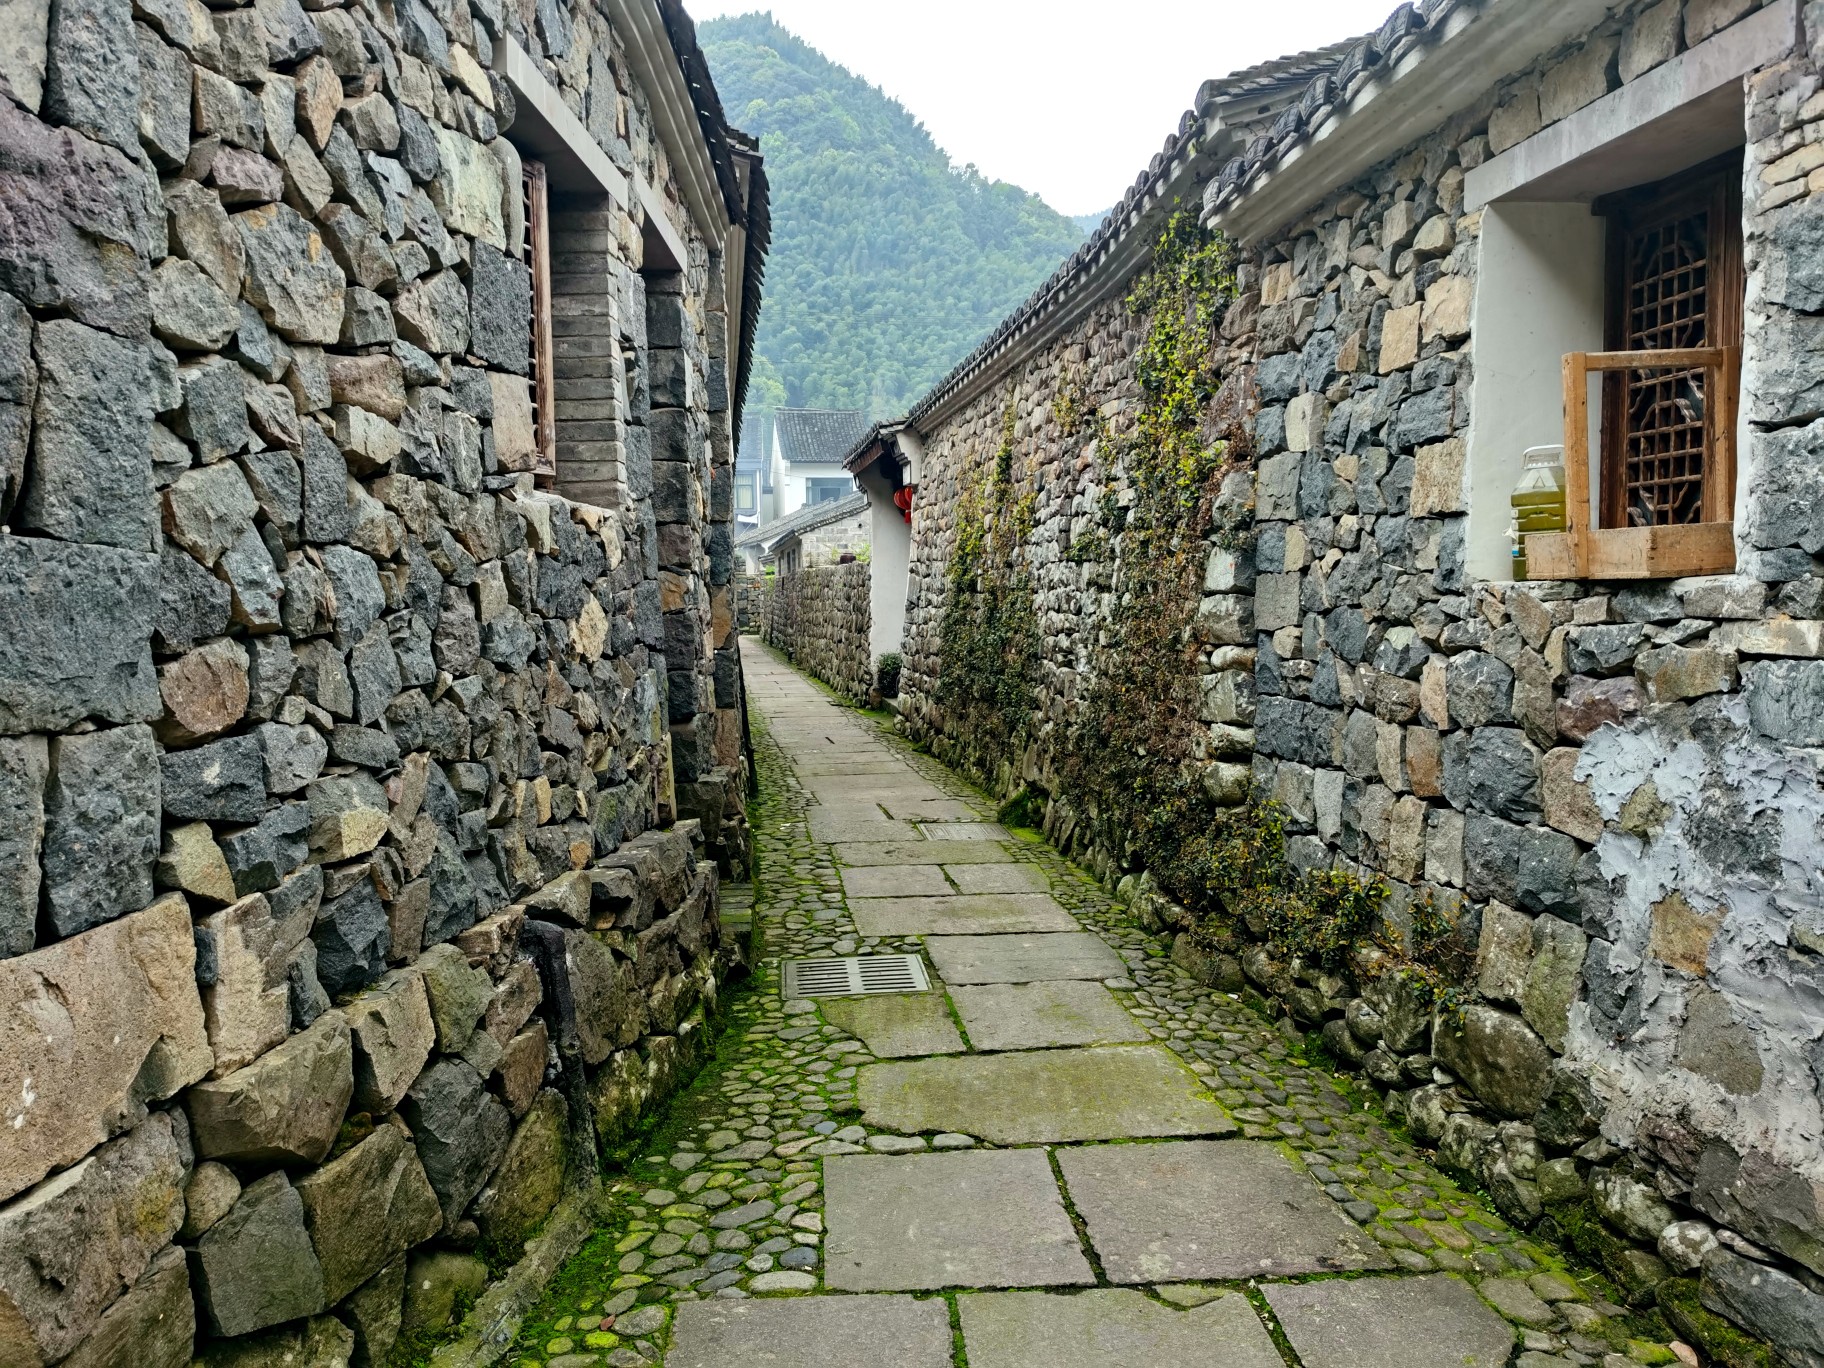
point(886, 674)
point(1025, 809)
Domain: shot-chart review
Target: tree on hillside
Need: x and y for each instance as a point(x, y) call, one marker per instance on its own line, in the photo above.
point(889, 263)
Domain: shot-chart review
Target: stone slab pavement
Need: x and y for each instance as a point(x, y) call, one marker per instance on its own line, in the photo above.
point(972, 1218)
point(1112, 1328)
point(1024, 959)
point(1043, 1016)
point(1066, 1153)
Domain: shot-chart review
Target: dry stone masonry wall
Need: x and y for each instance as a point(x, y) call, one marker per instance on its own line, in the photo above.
point(363, 808)
point(819, 616)
point(1611, 789)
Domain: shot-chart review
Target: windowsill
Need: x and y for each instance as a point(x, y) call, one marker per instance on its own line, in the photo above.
point(1632, 553)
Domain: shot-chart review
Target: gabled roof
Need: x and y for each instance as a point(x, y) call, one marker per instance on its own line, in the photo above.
point(1426, 63)
point(807, 519)
point(1227, 110)
point(819, 436)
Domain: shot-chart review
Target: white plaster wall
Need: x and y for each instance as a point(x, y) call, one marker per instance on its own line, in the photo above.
point(1538, 295)
point(891, 552)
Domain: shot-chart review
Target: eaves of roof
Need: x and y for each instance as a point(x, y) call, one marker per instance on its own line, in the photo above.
point(1122, 244)
point(807, 519)
point(1427, 62)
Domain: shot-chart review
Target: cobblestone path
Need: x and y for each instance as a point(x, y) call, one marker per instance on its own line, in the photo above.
point(1064, 1153)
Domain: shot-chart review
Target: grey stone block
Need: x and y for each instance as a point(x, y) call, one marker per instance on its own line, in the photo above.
point(224, 781)
point(286, 1107)
point(208, 509)
point(1607, 649)
point(352, 936)
point(255, 1267)
point(101, 827)
point(70, 1250)
point(500, 310)
point(278, 485)
point(326, 516)
point(1494, 770)
point(214, 413)
point(260, 856)
point(90, 478)
point(461, 1132)
point(1202, 1209)
point(1787, 372)
point(1124, 1328)
point(79, 233)
point(937, 1220)
point(833, 1332)
point(23, 55)
point(164, 99)
point(87, 84)
point(1786, 700)
point(24, 769)
point(1103, 1093)
point(1498, 1056)
point(1479, 689)
point(153, 1325)
point(359, 599)
point(189, 310)
point(367, 1207)
point(1769, 1302)
point(297, 286)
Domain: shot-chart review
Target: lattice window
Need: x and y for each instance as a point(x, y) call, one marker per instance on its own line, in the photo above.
point(1675, 284)
point(537, 250)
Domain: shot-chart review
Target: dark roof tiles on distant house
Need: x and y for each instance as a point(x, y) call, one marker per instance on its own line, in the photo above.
point(819, 436)
point(806, 519)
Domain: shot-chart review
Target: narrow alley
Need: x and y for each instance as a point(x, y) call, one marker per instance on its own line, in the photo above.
point(937, 1169)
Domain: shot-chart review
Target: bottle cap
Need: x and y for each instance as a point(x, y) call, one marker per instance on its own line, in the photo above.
point(1543, 456)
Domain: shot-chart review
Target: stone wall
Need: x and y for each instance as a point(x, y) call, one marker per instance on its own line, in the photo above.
point(750, 604)
point(1612, 789)
point(346, 912)
point(820, 618)
point(1607, 776)
point(1071, 568)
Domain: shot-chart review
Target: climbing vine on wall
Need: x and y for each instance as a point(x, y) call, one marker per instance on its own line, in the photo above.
point(1130, 761)
point(1136, 757)
point(989, 640)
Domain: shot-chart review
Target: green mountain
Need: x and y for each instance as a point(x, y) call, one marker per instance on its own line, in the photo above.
point(889, 263)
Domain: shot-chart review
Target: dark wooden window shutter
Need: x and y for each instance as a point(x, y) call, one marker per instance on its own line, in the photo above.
point(1675, 283)
point(543, 376)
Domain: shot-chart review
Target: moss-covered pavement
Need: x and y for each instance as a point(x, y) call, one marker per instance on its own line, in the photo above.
point(1067, 1152)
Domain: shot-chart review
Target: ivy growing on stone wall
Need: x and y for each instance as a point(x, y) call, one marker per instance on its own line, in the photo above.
point(1130, 761)
point(1135, 755)
point(989, 640)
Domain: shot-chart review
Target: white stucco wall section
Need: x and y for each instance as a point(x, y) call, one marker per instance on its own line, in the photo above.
point(890, 541)
point(1538, 295)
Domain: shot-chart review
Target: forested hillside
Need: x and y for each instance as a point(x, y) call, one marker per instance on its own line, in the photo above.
point(889, 264)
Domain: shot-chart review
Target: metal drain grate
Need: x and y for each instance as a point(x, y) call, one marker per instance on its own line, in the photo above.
point(829, 978)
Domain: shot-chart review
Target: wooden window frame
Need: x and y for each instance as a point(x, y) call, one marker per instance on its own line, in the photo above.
point(1611, 549)
point(543, 377)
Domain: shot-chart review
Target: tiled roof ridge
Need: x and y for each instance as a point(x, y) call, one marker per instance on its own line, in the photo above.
point(807, 519)
point(809, 436)
point(1410, 26)
point(1262, 78)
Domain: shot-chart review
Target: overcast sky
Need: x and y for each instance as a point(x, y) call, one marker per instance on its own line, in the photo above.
point(1068, 98)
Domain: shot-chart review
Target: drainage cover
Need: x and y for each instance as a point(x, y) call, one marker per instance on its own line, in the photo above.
point(828, 978)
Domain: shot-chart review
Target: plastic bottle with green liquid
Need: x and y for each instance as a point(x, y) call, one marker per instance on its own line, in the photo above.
point(1538, 500)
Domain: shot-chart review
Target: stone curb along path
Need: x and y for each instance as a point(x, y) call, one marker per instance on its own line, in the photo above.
point(1065, 1153)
